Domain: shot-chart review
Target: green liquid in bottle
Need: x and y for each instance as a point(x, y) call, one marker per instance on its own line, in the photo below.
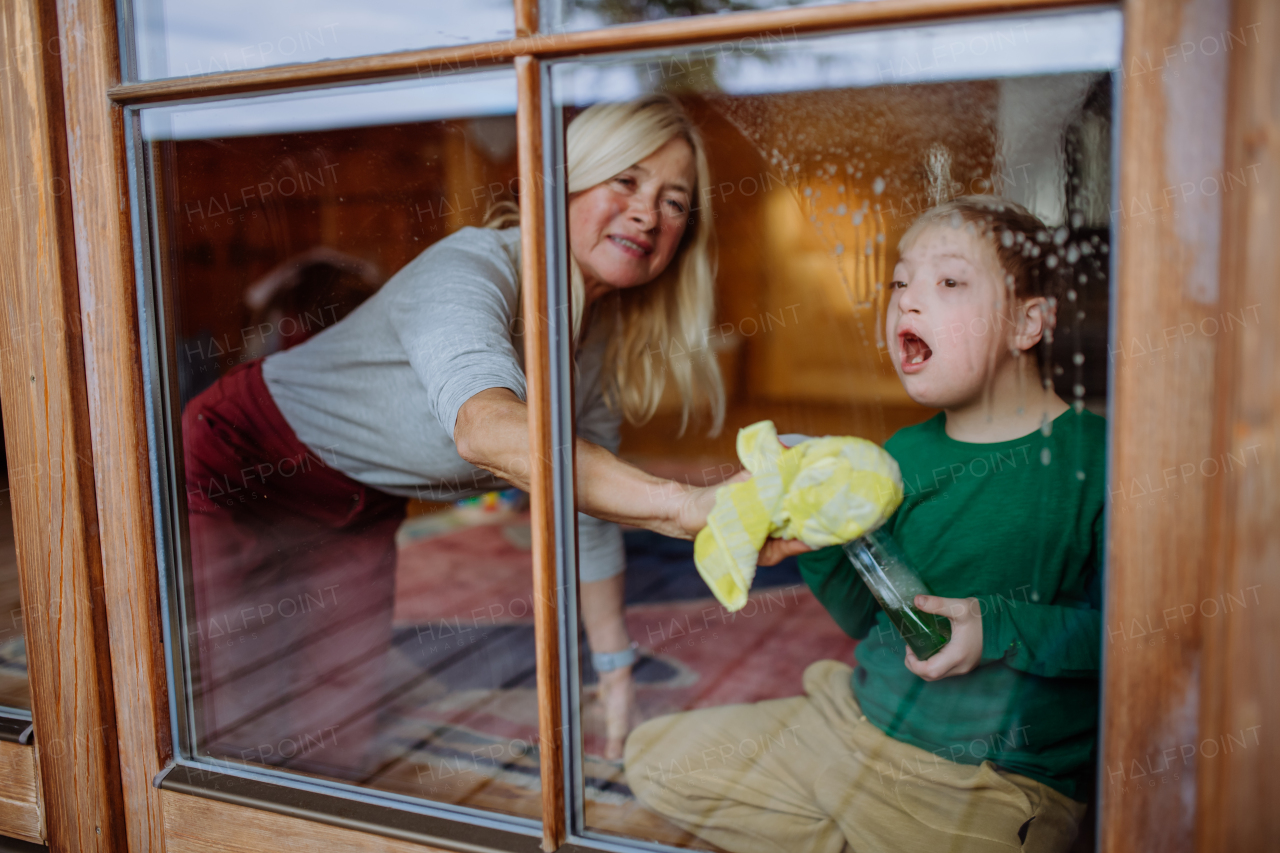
point(895, 584)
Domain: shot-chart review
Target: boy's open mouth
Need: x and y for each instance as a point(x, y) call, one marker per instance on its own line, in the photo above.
point(915, 352)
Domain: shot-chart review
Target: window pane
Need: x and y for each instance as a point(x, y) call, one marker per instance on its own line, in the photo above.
point(182, 38)
point(15, 695)
point(822, 152)
point(589, 14)
point(356, 597)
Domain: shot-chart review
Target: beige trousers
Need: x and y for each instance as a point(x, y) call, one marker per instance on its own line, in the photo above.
point(810, 773)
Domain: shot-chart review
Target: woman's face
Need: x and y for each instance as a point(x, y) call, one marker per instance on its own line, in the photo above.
point(623, 232)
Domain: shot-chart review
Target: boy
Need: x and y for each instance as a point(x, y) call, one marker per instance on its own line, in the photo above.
point(988, 745)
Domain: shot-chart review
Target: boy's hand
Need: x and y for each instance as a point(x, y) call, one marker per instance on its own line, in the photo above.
point(777, 550)
point(964, 650)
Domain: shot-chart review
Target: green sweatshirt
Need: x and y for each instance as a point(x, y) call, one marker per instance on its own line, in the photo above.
point(1018, 525)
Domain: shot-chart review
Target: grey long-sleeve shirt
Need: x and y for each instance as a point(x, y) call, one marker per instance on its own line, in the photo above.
point(378, 394)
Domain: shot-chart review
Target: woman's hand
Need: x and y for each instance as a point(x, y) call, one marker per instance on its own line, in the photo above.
point(617, 694)
point(603, 615)
point(697, 505)
point(964, 651)
point(694, 505)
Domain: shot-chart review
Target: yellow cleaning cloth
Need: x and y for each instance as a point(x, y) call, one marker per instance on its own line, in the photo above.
point(824, 491)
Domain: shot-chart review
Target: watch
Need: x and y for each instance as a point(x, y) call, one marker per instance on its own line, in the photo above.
point(609, 661)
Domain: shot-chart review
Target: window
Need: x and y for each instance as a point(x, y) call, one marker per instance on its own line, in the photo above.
point(588, 14)
point(339, 623)
point(271, 184)
point(824, 150)
point(379, 637)
point(178, 38)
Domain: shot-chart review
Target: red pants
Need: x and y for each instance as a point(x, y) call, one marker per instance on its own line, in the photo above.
point(293, 581)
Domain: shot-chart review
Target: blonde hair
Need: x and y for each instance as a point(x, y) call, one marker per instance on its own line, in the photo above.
point(666, 319)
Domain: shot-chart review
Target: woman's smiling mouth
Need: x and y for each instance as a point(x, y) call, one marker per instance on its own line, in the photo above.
point(915, 352)
point(631, 247)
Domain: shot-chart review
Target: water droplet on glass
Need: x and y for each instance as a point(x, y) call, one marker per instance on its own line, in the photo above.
point(841, 210)
point(1079, 315)
point(840, 189)
point(1046, 425)
point(1007, 238)
point(1045, 456)
point(1073, 254)
point(1080, 475)
point(839, 248)
point(857, 217)
point(877, 186)
point(1077, 219)
point(1084, 279)
point(1078, 405)
point(1077, 359)
point(1071, 295)
point(880, 237)
point(1051, 262)
point(808, 191)
point(1077, 389)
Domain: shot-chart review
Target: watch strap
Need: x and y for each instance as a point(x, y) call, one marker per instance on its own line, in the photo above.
point(609, 661)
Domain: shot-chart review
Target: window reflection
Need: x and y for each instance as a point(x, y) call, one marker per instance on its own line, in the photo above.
point(15, 694)
point(824, 152)
point(181, 38)
point(356, 598)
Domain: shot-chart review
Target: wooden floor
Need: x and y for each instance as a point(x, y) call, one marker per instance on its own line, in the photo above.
point(455, 715)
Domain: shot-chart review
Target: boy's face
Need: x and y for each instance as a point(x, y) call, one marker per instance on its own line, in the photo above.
point(946, 327)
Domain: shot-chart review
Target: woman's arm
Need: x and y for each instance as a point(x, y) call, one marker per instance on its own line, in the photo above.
point(492, 432)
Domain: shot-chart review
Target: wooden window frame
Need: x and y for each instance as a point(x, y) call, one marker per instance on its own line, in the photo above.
point(86, 531)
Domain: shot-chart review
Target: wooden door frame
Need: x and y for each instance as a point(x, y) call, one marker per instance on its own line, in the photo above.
point(70, 260)
point(50, 449)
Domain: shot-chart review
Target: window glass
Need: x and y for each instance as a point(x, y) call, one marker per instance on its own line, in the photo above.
point(589, 14)
point(184, 38)
point(354, 599)
point(15, 695)
point(779, 715)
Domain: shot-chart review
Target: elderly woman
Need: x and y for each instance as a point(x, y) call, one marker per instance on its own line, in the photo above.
point(419, 393)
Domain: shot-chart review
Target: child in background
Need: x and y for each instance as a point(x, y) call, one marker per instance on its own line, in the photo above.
point(989, 744)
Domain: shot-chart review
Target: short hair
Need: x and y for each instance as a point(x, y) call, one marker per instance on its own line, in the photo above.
point(1022, 242)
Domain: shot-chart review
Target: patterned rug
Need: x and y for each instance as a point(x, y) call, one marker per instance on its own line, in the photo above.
point(464, 723)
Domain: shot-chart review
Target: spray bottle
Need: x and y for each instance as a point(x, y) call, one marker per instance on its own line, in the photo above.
point(895, 584)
